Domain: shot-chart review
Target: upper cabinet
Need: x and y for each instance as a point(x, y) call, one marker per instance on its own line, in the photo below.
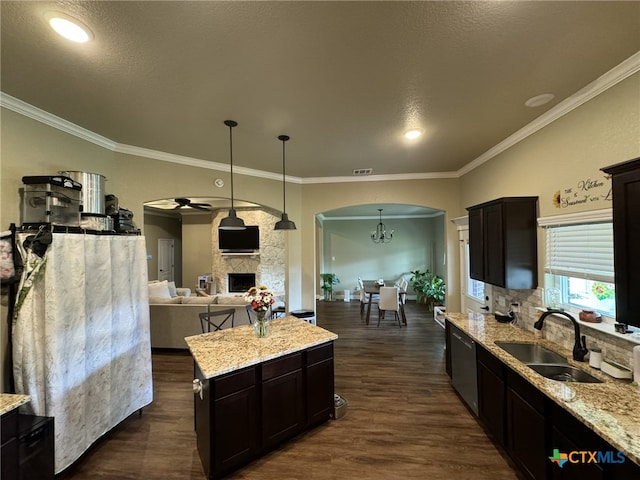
point(503, 242)
point(625, 184)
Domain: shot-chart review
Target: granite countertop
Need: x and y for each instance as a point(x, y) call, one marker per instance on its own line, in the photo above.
point(225, 351)
point(11, 401)
point(611, 409)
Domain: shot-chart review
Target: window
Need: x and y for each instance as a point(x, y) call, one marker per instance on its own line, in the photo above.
point(579, 264)
point(475, 288)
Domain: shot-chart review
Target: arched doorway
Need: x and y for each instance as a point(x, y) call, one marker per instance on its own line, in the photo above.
point(344, 245)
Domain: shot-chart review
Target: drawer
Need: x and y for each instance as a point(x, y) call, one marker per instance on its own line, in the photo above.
point(280, 366)
point(234, 382)
point(319, 353)
point(9, 426)
point(528, 392)
point(490, 361)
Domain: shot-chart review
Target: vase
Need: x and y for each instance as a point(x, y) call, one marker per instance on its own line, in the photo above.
point(261, 324)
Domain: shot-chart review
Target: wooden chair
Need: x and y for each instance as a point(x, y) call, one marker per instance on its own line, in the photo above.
point(221, 316)
point(389, 302)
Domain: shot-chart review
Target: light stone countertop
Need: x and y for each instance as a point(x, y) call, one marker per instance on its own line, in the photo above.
point(611, 409)
point(225, 351)
point(11, 401)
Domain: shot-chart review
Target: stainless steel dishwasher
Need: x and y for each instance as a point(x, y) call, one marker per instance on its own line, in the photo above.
point(464, 377)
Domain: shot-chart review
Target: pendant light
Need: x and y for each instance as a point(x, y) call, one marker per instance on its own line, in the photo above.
point(284, 223)
point(380, 235)
point(232, 222)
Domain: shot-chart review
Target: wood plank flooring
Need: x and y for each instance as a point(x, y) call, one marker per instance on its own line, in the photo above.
point(403, 420)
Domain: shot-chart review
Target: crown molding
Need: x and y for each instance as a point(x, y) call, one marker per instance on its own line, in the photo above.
point(42, 116)
point(614, 76)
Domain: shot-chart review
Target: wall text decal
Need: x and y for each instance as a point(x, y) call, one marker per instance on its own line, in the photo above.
point(586, 190)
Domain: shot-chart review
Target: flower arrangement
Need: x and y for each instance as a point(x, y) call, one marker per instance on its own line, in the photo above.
point(261, 298)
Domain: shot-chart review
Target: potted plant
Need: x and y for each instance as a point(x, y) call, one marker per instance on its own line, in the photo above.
point(328, 281)
point(435, 291)
point(419, 280)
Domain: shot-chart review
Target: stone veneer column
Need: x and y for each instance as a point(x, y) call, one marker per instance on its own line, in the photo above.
point(268, 265)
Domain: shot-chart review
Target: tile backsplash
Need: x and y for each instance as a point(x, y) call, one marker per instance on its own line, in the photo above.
point(615, 347)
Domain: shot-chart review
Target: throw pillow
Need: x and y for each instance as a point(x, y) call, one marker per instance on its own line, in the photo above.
point(159, 289)
point(157, 300)
point(198, 300)
point(172, 289)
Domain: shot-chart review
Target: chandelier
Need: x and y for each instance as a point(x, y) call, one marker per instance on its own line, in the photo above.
point(380, 235)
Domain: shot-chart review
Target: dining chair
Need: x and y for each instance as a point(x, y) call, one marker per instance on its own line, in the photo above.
point(389, 302)
point(363, 295)
point(404, 284)
point(216, 319)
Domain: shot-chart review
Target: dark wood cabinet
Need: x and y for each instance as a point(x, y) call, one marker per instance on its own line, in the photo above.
point(9, 457)
point(245, 413)
point(227, 421)
point(282, 399)
point(491, 394)
point(320, 384)
point(526, 427)
point(503, 242)
point(625, 189)
point(531, 427)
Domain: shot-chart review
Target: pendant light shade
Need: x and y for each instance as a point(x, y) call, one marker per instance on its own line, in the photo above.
point(231, 222)
point(284, 223)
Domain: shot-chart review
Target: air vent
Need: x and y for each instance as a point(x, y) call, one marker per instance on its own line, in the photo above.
point(362, 171)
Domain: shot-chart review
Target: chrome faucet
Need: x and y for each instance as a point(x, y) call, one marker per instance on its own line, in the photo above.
point(580, 345)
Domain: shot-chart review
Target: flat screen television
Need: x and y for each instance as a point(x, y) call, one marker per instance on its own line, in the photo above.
point(246, 240)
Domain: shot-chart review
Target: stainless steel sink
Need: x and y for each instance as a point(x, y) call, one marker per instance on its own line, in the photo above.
point(531, 353)
point(563, 373)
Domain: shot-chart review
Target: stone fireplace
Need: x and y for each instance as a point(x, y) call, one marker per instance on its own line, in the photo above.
point(267, 265)
point(240, 282)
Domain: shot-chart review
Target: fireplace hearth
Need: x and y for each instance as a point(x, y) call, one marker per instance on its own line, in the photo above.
point(241, 282)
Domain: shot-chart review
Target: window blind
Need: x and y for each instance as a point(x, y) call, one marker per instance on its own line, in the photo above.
point(581, 251)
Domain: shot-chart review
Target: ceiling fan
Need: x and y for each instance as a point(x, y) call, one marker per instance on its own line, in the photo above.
point(185, 202)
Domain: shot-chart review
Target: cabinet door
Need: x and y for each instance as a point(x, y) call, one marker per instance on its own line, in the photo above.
point(235, 431)
point(526, 436)
point(320, 404)
point(626, 233)
point(573, 471)
point(491, 401)
point(476, 245)
point(9, 460)
point(319, 383)
point(282, 408)
point(494, 260)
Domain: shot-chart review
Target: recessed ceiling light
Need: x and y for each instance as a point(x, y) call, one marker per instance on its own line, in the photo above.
point(539, 100)
point(413, 133)
point(69, 28)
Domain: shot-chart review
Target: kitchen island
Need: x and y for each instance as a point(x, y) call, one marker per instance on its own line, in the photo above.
point(253, 393)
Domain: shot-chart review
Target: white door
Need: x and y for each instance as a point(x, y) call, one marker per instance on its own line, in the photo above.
point(476, 296)
point(165, 259)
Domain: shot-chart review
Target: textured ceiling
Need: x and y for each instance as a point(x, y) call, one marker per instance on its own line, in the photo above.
point(343, 79)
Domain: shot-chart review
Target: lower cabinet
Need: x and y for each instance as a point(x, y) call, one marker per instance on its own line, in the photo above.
point(282, 392)
point(526, 427)
point(532, 427)
point(491, 394)
point(243, 414)
point(9, 458)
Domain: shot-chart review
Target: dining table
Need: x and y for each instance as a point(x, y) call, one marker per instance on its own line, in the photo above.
point(371, 288)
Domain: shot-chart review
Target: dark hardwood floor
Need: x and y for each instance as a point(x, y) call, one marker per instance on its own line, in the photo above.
point(403, 419)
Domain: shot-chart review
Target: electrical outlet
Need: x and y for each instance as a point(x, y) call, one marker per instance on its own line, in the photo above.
point(515, 307)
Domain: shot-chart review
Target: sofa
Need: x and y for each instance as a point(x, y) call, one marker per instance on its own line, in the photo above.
point(174, 315)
